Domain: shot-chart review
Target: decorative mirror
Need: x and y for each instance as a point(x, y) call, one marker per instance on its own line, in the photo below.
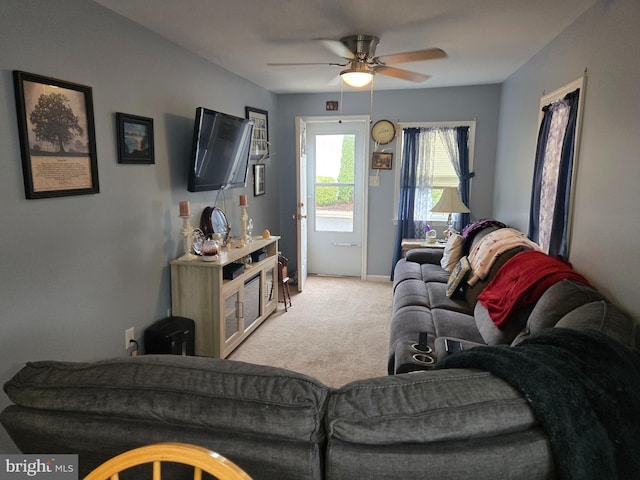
point(214, 221)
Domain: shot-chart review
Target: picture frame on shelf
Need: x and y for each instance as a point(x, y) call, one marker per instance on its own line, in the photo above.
point(382, 160)
point(258, 180)
point(57, 136)
point(260, 137)
point(135, 139)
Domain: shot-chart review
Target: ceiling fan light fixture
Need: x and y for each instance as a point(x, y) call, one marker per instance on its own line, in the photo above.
point(358, 75)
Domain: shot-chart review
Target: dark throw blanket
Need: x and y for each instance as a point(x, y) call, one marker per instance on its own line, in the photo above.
point(584, 389)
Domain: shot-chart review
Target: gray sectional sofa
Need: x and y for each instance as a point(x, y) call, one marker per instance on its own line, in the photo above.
point(457, 420)
point(421, 304)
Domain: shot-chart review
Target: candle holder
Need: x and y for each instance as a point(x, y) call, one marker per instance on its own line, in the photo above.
point(187, 238)
point(243, 220)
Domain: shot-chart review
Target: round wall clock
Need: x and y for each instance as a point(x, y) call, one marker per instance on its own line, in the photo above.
point(383, 131)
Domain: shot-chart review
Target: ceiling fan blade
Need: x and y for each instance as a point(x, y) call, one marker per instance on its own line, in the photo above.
point(338, 48)
point(403, 74)
point(406, 57)
point(305, 64)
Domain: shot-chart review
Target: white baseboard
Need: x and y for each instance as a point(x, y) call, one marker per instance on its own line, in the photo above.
point(378, 278)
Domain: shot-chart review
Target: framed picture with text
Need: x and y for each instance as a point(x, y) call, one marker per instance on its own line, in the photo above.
point(57, 136)
point(260, 139)
point(135, 139)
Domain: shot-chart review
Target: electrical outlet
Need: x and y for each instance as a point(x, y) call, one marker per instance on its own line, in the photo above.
point(374, 181)
point(129, 334)
point(169, 312)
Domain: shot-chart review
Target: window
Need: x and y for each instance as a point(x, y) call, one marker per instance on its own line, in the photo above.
point(434, 170)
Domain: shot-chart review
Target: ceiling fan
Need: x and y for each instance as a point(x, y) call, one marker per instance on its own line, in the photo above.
point(359, 52)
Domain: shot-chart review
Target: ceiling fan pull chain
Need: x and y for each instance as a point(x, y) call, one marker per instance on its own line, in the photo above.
point(341, 95)
point(371, 105)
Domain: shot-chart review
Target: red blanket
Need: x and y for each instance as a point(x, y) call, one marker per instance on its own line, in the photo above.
point(521, 281)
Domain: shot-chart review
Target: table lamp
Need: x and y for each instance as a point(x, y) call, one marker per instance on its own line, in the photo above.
point(450, 202)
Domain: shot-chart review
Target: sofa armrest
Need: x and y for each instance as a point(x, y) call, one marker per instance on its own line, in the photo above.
point(425, 255)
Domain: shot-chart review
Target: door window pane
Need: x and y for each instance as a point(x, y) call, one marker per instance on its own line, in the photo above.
point(334, 183)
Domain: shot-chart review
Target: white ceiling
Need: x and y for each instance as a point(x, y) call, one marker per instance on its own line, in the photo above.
point(486, 40)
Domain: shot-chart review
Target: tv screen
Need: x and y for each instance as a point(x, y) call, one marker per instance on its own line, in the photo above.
point(221, 150)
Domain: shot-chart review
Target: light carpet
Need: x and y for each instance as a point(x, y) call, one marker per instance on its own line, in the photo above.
point(337, 331)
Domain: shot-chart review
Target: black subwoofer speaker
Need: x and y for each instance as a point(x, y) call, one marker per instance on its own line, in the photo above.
point(173, 335)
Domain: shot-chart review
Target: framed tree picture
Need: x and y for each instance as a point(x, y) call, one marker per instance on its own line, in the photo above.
point(135, 138)
point(260, 138)
point(57, 136)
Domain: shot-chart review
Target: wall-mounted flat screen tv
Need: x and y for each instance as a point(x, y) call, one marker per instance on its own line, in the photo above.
point(221, 151)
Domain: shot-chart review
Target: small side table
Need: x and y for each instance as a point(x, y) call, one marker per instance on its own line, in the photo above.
point(411, 243)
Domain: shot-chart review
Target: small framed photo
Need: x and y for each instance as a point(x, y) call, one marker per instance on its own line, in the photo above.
point(382, 160)
point(57, 136)
point(135, 139)
point(260, 139)
point(258, 180)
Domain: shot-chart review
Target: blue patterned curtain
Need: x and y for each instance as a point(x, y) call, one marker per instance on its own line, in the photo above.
point(550, 195)
point(406, 226)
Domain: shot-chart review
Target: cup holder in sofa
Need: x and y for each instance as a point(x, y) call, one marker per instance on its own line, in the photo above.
point(409, 358)
point(424, 359)
point(417, 349)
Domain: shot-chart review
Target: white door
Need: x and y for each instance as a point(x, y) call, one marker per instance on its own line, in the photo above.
point(302, 200)
point(336, 161)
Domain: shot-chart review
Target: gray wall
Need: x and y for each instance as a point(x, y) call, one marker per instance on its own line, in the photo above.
point(77, 271)
point(481, 103)
point(606, 231)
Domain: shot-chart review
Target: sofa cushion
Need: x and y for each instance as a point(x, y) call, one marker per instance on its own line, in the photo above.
point(458, 274)
point(558, 300)
point(452, 324)
point(493, 335)
point(452, 252)
point(606, 318)
point(410, 292)
point(426, 408)
point(405, 270)
point(425, 255)
point(438, 299)
point(180, 390)
point(434, 273)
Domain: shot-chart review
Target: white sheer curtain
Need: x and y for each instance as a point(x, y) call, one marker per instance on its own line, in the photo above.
point(449, 138)
point(424, 179)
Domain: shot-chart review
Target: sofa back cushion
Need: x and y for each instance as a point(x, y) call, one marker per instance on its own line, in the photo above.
point(559, 299)
point(452, 252)
point(172, 389)
point(606, 318)
point(426, 408)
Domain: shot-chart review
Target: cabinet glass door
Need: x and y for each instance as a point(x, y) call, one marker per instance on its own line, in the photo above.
point(268, 291)
point(251, 301)
point(232, 316)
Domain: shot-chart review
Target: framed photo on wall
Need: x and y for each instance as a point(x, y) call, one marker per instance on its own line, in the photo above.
point(135, 139)
point(57, 136)
point(260, 139)
point(258, 180)
point(382, 160)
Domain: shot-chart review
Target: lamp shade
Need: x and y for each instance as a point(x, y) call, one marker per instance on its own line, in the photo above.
point(450, 202)
point(357, 75)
